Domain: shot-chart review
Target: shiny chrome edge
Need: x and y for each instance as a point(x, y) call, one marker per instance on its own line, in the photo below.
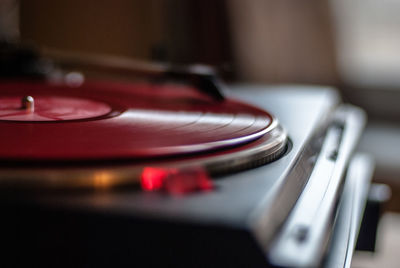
point(304, 236)
point(350, 212)
point(269, 216)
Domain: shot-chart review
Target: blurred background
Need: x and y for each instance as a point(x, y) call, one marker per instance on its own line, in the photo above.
point(352, 45)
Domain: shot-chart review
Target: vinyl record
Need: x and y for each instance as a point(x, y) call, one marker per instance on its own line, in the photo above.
point(104, 120)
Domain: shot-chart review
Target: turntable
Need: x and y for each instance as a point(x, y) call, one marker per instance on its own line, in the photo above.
point(164, 174)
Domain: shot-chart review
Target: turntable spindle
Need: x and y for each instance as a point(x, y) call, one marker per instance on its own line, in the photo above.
point(28, 104)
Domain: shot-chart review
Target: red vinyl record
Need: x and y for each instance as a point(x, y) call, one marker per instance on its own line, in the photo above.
point(105, 120)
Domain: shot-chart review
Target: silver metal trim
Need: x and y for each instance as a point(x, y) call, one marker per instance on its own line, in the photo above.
point(319, 198)
point(350, 213)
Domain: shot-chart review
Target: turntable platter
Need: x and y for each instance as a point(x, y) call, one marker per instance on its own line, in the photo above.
point(102, 120)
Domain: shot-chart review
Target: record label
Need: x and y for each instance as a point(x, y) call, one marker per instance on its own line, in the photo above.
point(48, 108)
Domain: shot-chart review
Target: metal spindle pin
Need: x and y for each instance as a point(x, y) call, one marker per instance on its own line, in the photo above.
point(28, 104)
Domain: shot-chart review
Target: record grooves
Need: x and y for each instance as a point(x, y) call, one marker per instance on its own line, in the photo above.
point(166, 125)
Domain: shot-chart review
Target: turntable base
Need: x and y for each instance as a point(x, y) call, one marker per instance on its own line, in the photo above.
point(234, 224)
